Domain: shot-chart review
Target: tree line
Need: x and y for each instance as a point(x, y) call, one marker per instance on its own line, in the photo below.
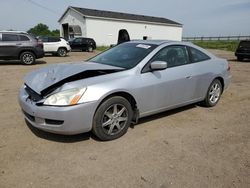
point(43, 30)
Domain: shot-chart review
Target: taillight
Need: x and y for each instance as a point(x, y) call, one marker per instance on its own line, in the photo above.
point(40, 43)
point(228, 67)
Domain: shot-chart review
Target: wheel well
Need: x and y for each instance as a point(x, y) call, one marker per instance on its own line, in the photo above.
point(130, 99)
point(221, 81)
point(31, 51)
point(125, 95)
point(63, 48)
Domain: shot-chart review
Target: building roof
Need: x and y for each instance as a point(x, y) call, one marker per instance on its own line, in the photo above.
point(122, 16)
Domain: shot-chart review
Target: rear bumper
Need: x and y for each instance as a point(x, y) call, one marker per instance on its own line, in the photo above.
point(227, 81)
point(39, 53)
point(61, 120)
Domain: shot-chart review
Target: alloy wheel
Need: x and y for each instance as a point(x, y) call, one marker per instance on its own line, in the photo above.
point(114, 119)
point(214, 93)
point(28, 58)
point(62, 52)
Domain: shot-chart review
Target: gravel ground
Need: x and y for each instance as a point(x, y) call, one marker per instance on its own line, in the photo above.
point(188, 147)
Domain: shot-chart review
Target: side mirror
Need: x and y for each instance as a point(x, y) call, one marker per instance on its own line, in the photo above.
point(158, 65)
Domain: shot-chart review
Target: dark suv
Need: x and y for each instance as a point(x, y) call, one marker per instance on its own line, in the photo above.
point(20, 46)
point(83, 44)
point(243, 50)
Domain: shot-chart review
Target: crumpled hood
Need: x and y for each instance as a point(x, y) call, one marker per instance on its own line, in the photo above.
point(43, 78)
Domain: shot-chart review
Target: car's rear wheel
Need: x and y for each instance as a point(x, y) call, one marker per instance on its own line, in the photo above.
point(62, 52)
point(27, 58)
point(239, 58)
point(90, 49)
point(213, 93)
point(112, 118)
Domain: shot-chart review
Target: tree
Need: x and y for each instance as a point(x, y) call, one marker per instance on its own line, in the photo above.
point(55, 32)
point(43, 30)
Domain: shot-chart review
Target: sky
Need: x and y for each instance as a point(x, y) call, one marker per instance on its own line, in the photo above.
point(199, 17)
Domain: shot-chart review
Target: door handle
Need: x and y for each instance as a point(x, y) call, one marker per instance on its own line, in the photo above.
point(19, 44)
point(188, 77)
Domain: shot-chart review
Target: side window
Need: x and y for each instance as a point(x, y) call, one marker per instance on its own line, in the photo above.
point(84, 41)
point(78, 40)
point(9, 37)
point(45, 39)
point(54, 39)
point(197, 55)
point(173, 55)
point(24, 38)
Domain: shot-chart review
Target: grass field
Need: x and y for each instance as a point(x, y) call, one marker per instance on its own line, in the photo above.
point(102, 48)
point(220, 44)
point(229, 45)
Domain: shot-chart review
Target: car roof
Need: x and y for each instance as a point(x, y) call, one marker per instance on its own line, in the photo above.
point(245, 41)
point(160, 42)
point(16, 32)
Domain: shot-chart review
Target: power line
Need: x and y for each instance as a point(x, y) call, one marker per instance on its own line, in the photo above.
point(42, 6)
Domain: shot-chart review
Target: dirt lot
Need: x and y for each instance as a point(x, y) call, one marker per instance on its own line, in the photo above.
point(188, 147)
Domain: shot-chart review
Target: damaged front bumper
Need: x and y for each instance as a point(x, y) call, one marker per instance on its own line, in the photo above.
point(67, 120)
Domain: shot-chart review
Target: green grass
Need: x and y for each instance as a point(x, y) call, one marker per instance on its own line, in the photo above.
point(102, 48)
point(220, 44)
point(228, 45)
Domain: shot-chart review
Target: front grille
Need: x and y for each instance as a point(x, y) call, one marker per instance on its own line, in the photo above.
point(30, 117)
point(32, 94)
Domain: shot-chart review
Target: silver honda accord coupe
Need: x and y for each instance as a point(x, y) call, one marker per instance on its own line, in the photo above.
point(117, 87)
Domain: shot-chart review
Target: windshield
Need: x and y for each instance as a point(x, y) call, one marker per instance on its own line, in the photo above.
point(126, 55)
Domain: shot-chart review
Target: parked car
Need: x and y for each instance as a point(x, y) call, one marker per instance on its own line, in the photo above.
point(243, 50)
point(83, 44)
point(117, 87)
point(55, 45)
point(16, 45)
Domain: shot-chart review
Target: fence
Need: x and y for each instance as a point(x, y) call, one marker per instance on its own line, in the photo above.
point(216, 38)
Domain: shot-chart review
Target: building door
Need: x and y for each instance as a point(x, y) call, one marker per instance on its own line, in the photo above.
point(65, 31)
point(123, 36)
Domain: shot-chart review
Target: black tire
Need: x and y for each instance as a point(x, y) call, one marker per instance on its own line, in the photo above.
point(213, 94)
point(90, 49)
point(61, 52)
point(110, 124)
point(27, 58)
point(239, 58)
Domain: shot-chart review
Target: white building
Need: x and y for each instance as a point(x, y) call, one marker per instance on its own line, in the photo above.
point(104, 26)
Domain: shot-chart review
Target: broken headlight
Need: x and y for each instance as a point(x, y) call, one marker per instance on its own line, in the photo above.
point(65, 98)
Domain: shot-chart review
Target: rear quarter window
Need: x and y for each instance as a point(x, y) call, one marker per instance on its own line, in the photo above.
point(197, 55)
point(24, 38)
point(54, 39)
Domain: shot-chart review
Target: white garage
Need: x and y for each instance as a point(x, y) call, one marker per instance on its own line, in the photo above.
point(104, 26)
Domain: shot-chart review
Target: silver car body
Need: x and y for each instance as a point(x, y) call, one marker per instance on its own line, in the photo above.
point(153, 92)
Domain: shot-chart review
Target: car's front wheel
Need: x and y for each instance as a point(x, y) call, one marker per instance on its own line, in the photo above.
point(213, 93)
point(27, 58)
point(112, 119)
point(61, 52)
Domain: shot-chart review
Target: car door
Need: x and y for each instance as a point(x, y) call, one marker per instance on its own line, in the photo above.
point(203, 71)
point(9, 45)
point(77, 44)
point(54, 44)
point(85, 43)
point(167, 88)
